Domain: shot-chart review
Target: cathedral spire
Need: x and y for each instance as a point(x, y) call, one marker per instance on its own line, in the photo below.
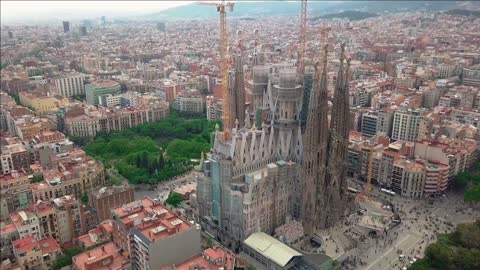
point(338, 95)
point(315, 147)
point(239, 86)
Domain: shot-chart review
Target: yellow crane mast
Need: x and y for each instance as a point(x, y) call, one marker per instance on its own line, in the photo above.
point(221, 8)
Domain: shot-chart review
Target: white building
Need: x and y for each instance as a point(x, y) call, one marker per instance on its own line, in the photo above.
point(71, 85)
point(406, 125)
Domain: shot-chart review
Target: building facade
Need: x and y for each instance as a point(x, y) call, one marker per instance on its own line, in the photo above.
point(70, 85)
point(100, 88)
point(406, 125)
point(105, 199)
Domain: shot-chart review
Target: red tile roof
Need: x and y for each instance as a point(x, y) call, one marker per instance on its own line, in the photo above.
point(27, 245)
point(105, 257)
point(49, 245)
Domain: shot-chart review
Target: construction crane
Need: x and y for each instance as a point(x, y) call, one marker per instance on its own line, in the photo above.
point(302, 38)
point(221, 8)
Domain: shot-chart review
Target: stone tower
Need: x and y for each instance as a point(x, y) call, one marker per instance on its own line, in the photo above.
point(325, 150)
point(315, 147)
point(331, 206)
point(239, 87)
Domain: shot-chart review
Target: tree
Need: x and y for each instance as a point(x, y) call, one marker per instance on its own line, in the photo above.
point(161, 160)
point(174, 199)
point(477, 165)
point(439, 255)
point(458, 250)
point(472, 194)
point(153, 151)
point(461, 180)
point(37, 178)
point(421, 265)
point(84, 199)
point(66, 259)
point(209, 242)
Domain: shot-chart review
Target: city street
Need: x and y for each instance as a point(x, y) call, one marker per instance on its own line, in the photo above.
point(164, 188)
point(422, 221)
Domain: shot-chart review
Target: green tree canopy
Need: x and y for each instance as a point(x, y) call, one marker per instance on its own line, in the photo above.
point(66, 259)
point(174, 199)
point(459, 250)
point(137, 153)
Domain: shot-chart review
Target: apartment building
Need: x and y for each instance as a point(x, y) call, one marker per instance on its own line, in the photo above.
point(8, 234)
point(75, 174)
point(13, 157)
point(466, 117)
point(69, 222)
point(42, 103)
point(385, 121)
point(26, 224)
point(100, 88)
point(471, 76)
point(102, 233)
point(436, 177)
point(105, 199)
point(32, 253)
point(151, 235)
point(47, 217)
point(70, 84)
point(408, 178)
point(212, 259)
point(44, 152)
point(406, 125)
point(214, 108)
point(459, 155)
point(369, 124)
point(190, 101)
point(110, 119)
point(15, 194)
point(105, 257)
point(28, 126)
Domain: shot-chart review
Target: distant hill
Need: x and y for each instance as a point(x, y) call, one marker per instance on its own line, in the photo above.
point(287, 8)
point(352, 15)
point(463, 12)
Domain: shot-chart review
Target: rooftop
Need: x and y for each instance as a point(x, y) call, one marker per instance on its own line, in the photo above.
point(105, 257)
point(186, 189)
point(21, 218)
point(104, 83)
point(7, 228)
point(271, 248)
point(48, 245)
point(151, 218)
point(27, 245)
point(212, 259)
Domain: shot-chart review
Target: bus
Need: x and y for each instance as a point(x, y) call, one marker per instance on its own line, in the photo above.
point(389, 192)
point(353, 190)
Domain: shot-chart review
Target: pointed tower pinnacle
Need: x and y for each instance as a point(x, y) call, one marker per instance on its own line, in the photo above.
point(315, 147)
point(239, 86)
point(333, 202)
point(247, 120)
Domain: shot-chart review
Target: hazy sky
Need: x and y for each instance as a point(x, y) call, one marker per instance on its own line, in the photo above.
point(39, 11)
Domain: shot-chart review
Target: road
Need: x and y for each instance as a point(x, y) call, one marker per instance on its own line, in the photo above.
point(165, 187)
point(422, 221)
